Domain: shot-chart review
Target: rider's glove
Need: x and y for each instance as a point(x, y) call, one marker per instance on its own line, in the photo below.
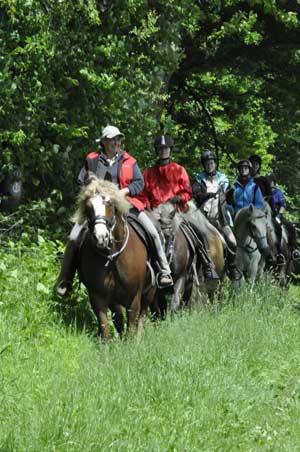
point(211, 195)
point(175, 199)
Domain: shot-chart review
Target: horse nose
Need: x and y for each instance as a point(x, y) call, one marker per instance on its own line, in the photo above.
point(102, 235)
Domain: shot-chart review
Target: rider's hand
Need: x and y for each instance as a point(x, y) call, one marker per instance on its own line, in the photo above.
point(175, 199)
point(125, 191)
point(211, 195)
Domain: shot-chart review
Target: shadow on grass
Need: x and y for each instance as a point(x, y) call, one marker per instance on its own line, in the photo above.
point(75, 311)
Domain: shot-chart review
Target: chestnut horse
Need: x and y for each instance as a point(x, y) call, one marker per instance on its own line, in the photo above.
point(112, 259)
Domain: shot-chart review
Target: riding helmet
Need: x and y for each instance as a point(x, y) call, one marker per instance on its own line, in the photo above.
point(163, 140)
point(244, 162)
point(208, 155)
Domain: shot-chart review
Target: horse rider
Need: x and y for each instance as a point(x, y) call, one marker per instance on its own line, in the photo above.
point(245, 189)
point(168, 181)
point(260, 180)
point(209, 193)
point(279, 207)
point(123, 169)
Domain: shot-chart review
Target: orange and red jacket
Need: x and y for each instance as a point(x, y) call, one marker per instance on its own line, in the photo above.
point(125, 176)
point(164, 182)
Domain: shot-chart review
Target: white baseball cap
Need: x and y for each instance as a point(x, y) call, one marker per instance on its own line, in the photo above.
point(110, 132)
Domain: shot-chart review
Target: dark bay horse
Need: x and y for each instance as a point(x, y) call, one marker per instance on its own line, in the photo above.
point(112, 259)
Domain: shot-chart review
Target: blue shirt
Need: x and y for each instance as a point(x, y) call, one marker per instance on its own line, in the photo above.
point(278, 199)
point(246, 195)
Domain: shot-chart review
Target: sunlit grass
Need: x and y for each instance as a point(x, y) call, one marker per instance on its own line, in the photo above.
point(224, 378)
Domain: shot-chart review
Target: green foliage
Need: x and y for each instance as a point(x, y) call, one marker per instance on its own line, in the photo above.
point(214, 74)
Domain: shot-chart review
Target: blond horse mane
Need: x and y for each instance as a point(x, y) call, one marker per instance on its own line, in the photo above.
point(99, 187)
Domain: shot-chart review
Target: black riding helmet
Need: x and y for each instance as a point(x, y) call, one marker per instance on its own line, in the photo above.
point(208, 155)
point(163, 140)
point(271, 177)
point(255, 159)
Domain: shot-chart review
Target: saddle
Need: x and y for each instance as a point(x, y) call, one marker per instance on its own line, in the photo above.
point(144, 236)
point(192, 235)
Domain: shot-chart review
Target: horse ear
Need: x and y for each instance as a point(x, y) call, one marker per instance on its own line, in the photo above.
point(251, 208)
point(108, 177)
point(88, 178)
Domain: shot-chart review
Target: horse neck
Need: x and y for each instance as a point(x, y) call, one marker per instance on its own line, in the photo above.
point(119, 233)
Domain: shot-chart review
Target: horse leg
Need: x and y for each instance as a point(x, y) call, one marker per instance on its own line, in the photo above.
point(211, 289)
point(118, 318)
point(133, 313)
point(104, 328)
point(178, 292)
point(100, 309)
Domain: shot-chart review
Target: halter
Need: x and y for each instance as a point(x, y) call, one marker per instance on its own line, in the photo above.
point(110, 223)
point(248, 248)
point(103, 219)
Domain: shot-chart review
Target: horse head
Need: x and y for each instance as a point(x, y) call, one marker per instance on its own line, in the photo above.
point(165, 213)
point(257, 225)
point(101, 205)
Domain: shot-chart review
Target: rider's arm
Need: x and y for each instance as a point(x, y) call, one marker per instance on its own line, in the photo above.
point(200, 196)
point(259, 199)
point(184, 187)
point(81, 176)
point(137, 184)
point(281, 201)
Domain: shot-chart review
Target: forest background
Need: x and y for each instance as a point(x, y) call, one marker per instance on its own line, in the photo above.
point(217, 74)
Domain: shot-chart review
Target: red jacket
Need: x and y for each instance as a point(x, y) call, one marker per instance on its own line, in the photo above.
point(125, 175)
point(164, 182)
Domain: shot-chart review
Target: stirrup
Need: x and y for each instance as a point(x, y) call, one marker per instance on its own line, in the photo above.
point(209, 273)
point(295, 255)
point(234, 274)
point(280, 260)
point(160, 276)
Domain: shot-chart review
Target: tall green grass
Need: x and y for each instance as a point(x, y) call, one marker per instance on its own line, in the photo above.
point(224, 378)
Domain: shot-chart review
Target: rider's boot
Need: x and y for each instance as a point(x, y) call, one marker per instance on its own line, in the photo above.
point(68, 270)
point(164, 278)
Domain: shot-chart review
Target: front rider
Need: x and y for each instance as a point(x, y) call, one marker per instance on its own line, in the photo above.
point(124, 171)
point(209, 192)
point(279, 207)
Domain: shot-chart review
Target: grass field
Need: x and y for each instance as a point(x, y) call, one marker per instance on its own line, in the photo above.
point(224, 378)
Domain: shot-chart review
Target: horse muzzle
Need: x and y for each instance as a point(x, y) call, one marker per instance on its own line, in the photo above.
point(102, 236)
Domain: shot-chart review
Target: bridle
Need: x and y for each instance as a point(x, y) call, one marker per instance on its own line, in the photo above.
point(247, 247)
point(110, 223)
